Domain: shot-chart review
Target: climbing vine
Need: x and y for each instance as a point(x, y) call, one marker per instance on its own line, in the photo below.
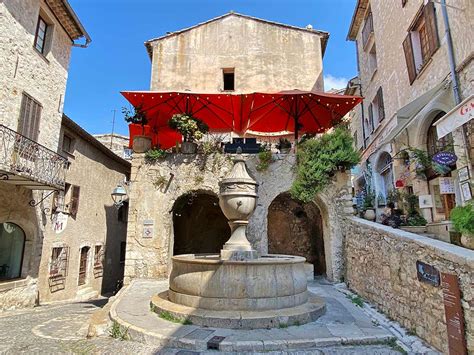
point(319, 159)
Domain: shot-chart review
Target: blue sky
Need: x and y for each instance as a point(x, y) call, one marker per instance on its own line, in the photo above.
point(117, 60)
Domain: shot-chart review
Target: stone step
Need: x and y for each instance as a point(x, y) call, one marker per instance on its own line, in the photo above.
point(86, 294)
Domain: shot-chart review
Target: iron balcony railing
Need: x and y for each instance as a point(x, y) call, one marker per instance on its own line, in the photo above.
point(367, 30)
point(24, 159)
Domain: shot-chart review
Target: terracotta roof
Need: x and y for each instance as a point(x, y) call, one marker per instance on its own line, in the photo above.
point(68, 19)
point(357, 18)
point(74, 127)
point(323, 34)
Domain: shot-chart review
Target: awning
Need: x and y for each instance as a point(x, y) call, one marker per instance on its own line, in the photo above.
point(461, 114)
point(408, 113)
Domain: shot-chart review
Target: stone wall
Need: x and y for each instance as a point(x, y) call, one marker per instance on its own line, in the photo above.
point(266, 57)
point(156, 187)
point(381, 267)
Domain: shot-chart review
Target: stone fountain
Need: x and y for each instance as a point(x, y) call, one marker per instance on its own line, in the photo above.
point(238, 288)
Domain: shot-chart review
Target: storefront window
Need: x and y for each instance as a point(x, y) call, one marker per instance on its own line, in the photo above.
point(12, 242)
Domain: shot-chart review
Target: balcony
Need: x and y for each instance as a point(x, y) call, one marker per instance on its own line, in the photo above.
point(26, 163)
point(368, 31)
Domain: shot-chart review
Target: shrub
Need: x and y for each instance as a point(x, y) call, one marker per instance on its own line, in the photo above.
point(463, 219)
point(154, 155)
point(319, 159)
point(265, 158)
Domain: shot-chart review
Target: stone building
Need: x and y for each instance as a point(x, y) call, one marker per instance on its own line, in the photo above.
point(404, 76)
point(84, 233)
point(117, 143)
point(35, 48)
point(173, 202)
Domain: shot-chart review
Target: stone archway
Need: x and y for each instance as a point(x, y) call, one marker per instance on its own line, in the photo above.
point(296, 228)
point(199, 224)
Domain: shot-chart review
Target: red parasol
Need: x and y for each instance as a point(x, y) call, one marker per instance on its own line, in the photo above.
point(295, 111)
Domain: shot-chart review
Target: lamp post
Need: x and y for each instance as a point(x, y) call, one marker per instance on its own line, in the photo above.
point(118, 195)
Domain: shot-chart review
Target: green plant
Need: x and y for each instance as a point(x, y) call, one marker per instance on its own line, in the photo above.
point(155, 154)
point(463, 219)
point(282, 325)
point(119, 332)
point(318, 161)
point(137, 116)
point(421, 159)
point(410, 205)
point(393, 196)
point(198, 179)
point(192, 129)
point(160, 181)
point(210, 147)
point(356, 299)
point(264, 160)
point(169, 317)
point(369, 200)
point(416, 220)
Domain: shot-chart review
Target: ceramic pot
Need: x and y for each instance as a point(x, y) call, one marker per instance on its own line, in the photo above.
point(141, 144)
point(188, 148)
point(467, 241)
point(369, 215)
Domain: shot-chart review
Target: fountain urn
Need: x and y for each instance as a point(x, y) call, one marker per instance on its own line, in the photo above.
point(238, 199)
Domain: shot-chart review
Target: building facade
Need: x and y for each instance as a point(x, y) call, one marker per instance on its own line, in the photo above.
point(403, 53)
point(117, 143)
point(85, 233)
point(35, 49)
point(174, 205)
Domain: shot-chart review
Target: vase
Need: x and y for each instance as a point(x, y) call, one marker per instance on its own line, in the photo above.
point(141, 144)
point(188, 148)
point(467, 241)
point(369, 215)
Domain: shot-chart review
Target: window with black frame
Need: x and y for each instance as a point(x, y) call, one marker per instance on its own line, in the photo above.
point(12, 243)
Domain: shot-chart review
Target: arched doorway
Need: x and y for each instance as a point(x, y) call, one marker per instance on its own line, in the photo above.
point(384, 171)
point(199, 224)
point(12, 244)
point(296, 228)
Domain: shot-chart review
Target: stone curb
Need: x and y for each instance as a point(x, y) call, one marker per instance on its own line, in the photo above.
point(154, 338)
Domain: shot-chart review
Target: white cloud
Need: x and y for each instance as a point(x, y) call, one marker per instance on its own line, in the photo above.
point(331, 82)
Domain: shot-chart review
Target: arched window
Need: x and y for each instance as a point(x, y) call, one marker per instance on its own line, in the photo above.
point(384, 169)
point(435, 145)
point(12, 242)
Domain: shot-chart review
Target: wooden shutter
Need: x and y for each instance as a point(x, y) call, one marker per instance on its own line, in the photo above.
point(408, 48)
point(380, 104)
point(30, 113)
point(74, 204)
point(431, 28)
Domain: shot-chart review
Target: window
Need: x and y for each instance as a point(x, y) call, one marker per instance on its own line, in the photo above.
point(59, 261)
point(40, 36)
point(368, 29)
point(68, 144)
point(71, 195)
point(384, 169)
point(421, 41)
point(229, 79)
point(373, 59)
point(376, 110)
point(30, 113)
point(435, 145)
point(99, 257)
point(12, 242)
point(74, 201)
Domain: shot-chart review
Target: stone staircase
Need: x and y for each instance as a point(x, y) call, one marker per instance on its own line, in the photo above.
point(86, 294)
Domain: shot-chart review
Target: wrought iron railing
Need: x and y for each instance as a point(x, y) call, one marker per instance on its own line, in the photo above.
point(28, 159)
point(368, 29)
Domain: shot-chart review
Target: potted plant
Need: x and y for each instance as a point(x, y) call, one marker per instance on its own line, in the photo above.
point(284, 146)
point(463, 221)
point(141, 143)
point(191, 128)
point(414, 221)
point(369, 201)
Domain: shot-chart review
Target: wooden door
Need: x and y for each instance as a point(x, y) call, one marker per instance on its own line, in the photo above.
point(83, 266)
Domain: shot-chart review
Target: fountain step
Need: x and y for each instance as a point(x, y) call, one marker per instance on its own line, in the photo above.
point(302, 314)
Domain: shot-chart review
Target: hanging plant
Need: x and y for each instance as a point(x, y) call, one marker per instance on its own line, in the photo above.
point(192, 129)
point(319, 159)
point(136, 116)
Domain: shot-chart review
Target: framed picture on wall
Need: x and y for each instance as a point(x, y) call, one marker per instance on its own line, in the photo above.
point(463, 174)
point(466, 191)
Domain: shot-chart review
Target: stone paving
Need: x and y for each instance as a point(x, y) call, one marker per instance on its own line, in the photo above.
point(62, 329)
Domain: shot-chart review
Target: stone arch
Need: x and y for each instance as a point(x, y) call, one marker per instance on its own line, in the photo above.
point(425, 123)
point(383, 169)
point(199, 226)
point(295, 228)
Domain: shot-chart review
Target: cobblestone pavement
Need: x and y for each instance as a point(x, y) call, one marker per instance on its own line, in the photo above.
point(61, 329)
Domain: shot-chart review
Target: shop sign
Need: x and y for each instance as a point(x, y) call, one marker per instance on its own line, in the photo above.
point(446, 185)
point(461, 114)
point(445, 158)
point(59, 222)
point(148, 228)
point(427, 273)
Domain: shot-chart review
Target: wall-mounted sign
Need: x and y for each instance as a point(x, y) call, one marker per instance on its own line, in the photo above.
point(466, 191)
point(446, 185)
point(425, 201)
point(461, 114)
point(445, 158)
point(59, 222)
point(427, 273)
point(454, 314)
point(148, 226)
point(463, 173)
